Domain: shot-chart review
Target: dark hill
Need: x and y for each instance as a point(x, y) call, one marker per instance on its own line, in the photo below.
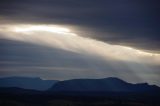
point(27, 83)
point(102, 85)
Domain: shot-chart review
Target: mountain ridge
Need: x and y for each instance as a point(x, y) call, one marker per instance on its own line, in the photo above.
point(109, 84)
point(33, 83)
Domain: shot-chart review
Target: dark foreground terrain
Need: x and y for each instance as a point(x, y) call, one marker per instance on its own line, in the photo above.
point(66, 99)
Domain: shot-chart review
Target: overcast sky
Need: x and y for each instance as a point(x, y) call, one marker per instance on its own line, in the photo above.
point(127, 23)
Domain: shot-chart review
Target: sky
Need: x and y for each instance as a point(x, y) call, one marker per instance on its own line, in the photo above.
point(67, 39)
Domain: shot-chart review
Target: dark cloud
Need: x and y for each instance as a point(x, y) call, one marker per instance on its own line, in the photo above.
point(127, 22)
point(25, 59)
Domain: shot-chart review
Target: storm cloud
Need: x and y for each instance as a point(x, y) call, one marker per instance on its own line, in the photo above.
point(100, 38)
point(133, 23)
point(54, 52)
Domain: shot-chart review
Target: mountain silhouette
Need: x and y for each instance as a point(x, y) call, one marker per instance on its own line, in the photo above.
point(108, 85)
point(102, 85)
point(27, 83)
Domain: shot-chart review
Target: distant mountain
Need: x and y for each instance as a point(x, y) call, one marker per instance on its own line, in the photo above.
point(18, 91)
point(102, 85)
point(108, 85)
point(27, 83)
point(84, 92)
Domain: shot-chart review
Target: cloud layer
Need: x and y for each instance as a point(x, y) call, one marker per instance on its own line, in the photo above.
point(31, 50)
point(134, 23)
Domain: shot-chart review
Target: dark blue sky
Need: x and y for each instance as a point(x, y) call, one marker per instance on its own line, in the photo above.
point(127, 22)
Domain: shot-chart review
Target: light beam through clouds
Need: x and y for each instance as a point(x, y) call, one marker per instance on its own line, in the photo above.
point(98, 55)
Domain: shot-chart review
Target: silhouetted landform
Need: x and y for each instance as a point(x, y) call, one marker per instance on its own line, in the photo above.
point(84, 92)
point(27, 83)
point(102, 85)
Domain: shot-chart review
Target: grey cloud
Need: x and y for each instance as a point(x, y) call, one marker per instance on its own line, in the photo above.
point(134, 23)
point(25, 59)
